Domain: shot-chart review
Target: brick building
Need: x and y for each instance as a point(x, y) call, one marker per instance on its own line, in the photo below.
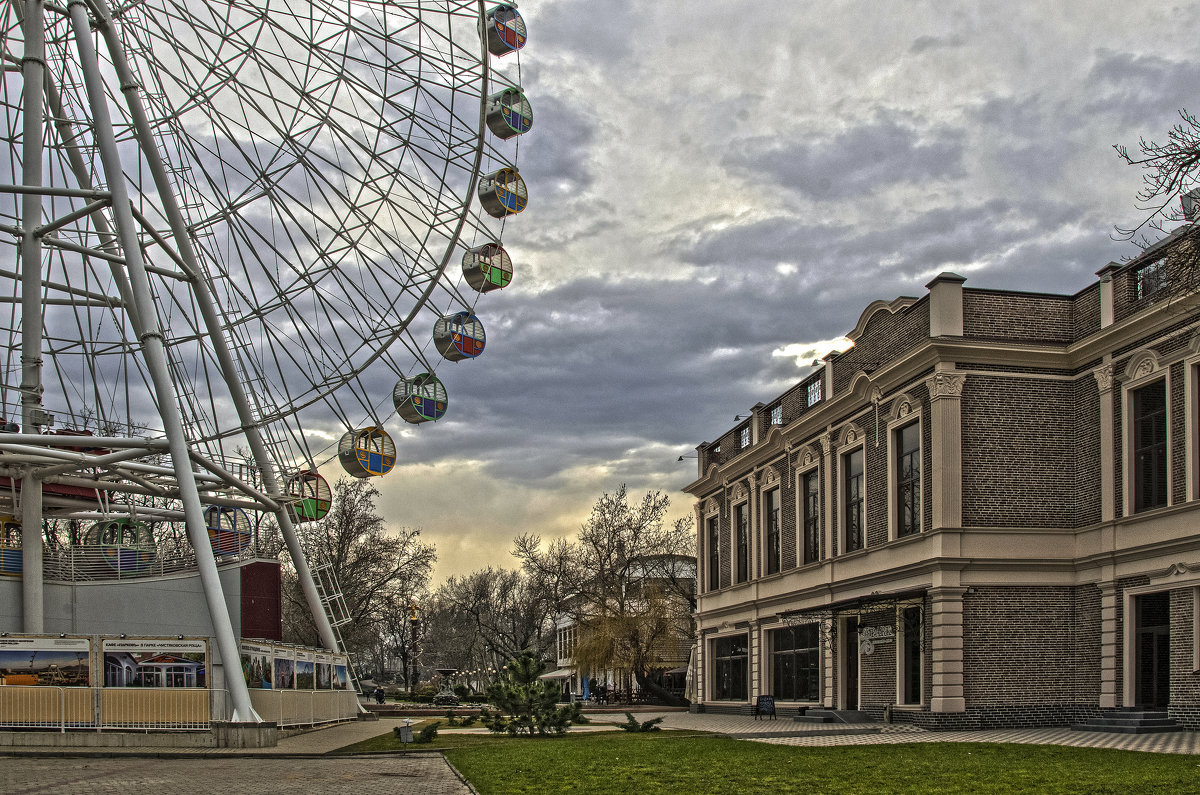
point(984, 513)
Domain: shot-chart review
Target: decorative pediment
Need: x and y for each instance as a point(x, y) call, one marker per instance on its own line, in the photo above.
point(874, 308)
point(769, 477)
point(902, 406)
point(1142, 365)
point(1176, 571)
point(740, 492)
point(711, 507)
point(848, 435)
point(808, 455)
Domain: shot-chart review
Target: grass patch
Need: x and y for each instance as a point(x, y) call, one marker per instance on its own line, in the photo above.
point(667, 762)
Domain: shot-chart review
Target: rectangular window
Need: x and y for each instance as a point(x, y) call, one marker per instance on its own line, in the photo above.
point(731, 669)
point(1149, 279)
point(741, 525)
point(744, 437)
point(714, 553)
point(910, 651)
point(796, 663)
point(777, 414)
point(908, 480)
point(1150, 446)
point(852, 468)
point(811, 496)
point(814, 392)
point(771, 517)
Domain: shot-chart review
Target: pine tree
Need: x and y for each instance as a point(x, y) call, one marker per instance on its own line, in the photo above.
point(527, 705)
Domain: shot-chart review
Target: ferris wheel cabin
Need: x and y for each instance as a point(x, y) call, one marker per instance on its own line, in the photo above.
point(459, 336)
point(228, 529)
point(509, 114)
point(503, 193)
point(487, 267)
point(312, 495)
point(367, 452)
point(125, 545)
point(420, 398)
point(11, 557)
point(505, 30)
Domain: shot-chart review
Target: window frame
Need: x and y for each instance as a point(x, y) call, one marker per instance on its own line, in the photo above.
point(713, 539)
point(906, 413)
point(853, 442)
point(772, 528)
point(804, 519)
point(813, 653)
point(1144, 369)
point(731, 662)
point(739, 521)
point(904, 667)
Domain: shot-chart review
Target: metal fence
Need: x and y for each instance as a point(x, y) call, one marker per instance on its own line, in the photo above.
point(162, 709)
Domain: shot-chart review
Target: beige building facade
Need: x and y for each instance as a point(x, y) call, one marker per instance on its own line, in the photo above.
point(984, 513)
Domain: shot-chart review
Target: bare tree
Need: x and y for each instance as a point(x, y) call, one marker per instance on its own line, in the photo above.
point(627, 584)
point(1169, 197)
point(481, 619)
point(377, 569)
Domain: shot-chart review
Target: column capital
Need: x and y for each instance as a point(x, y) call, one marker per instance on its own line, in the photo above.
point(1104, 377)
point(945, 385)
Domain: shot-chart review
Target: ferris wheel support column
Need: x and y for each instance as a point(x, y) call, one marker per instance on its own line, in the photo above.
point(33, 67)
point(212, 320)
point(154, 349)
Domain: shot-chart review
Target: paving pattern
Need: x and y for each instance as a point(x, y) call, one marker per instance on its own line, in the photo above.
point(300, 763)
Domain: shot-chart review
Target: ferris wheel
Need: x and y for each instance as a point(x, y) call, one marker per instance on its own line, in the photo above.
point(252, 229)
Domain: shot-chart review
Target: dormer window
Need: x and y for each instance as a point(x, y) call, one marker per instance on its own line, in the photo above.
point(814, 392)
point(744, 437)
point(777, 414)
point(1151, 278)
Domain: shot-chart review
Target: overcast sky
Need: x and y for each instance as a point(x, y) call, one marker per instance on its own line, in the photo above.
point(716, 189)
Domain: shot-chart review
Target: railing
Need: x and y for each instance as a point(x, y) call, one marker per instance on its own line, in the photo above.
point(137, 709)
point(304, 707)
point(97, 562)
point(162, 708)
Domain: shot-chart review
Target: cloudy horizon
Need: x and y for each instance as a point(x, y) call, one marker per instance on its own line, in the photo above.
point(717, 192)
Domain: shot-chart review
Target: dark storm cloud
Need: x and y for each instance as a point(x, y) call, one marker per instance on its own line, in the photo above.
point(885, 151)
point(1143, 91)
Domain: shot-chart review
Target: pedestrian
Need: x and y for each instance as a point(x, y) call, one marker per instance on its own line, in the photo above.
point(379, 695)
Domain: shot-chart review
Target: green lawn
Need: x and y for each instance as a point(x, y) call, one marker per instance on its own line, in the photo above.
point(667, 763)
point(694, 763)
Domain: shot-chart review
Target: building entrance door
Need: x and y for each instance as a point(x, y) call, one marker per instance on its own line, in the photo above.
point(1154, 650)
point(850, 654)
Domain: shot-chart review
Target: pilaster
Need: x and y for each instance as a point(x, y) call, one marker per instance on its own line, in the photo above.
point(1104, 380)
point(946, 694)
point(1109, 645)
point(945, 411)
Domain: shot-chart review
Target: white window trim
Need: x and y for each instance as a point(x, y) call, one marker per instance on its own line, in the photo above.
point(1191, 398)
point(904, 412)
point(901, 641)
point(769, 480)
point(713, 511)
point(741, 496)
point(1144, 369)
point(809, 460)
point(850, 438)
point(768, 665)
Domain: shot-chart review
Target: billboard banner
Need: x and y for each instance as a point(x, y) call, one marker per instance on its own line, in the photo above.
point(32, 660)
point(155, 662)
point(256, 664)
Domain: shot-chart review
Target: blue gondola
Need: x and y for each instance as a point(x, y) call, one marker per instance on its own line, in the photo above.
point(509, 113)
point(228, 529)
point(505, 30)
point(11, 553)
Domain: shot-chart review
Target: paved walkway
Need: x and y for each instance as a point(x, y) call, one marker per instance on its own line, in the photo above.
point(300, 763)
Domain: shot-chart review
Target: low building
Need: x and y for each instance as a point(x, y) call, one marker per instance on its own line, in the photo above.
point(984, 513)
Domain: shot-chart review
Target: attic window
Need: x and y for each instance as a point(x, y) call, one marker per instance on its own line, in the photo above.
point(777, 414)
point(744, 437)
point(1151, 278)
point(814, 392)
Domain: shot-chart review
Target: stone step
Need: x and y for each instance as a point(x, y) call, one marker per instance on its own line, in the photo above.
point(811, 718)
